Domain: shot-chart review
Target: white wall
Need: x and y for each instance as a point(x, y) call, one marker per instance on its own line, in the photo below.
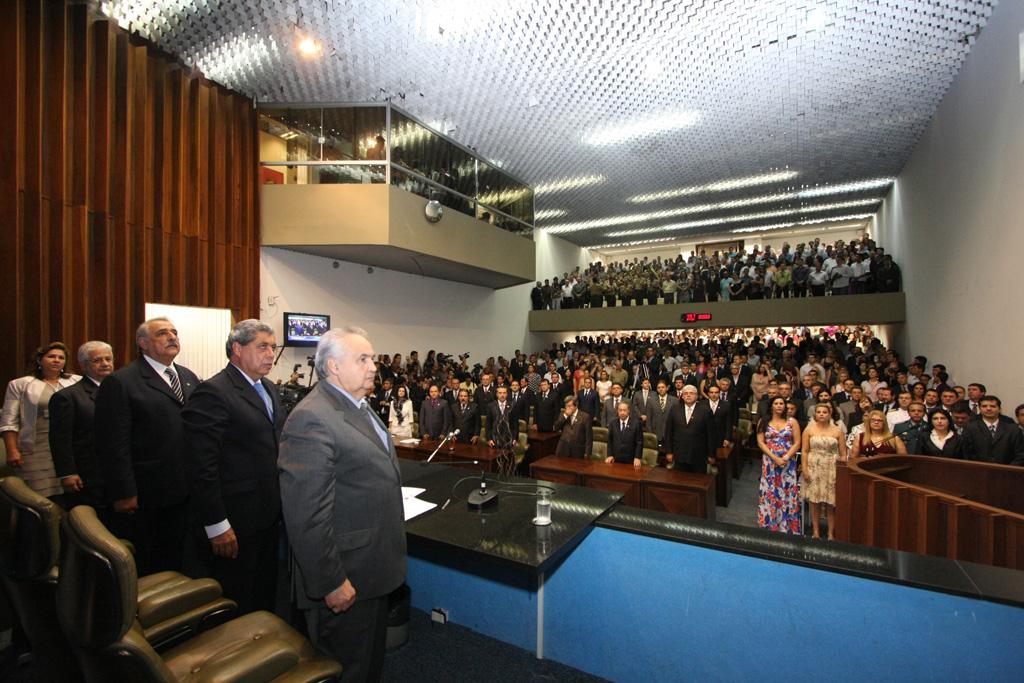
point(556, 256)
point(954, 220)
point(399, 311)
point(203, 332)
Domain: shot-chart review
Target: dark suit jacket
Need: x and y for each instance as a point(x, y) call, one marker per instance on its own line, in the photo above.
point(625, 446)
point(1007, 448)
point(547, 411)
point(466, 421)
point(72, 430)
point(563, 389)
point(437, 421)
point(140, 441)
point(576, 439)
point(231, 452)
point(521, 405)
point(609, 412)
point(501, 428)
point(690, 443)
point(341, 495)
point(953, 448)
point(589, 403)
point(723, 420)
point(482, 398)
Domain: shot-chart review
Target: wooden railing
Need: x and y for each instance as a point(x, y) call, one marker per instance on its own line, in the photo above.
point(933, 506)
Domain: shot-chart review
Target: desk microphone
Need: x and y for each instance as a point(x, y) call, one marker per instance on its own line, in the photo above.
point(443, 442)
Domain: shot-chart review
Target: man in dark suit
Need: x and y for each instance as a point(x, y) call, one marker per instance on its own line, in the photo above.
point(466, 418)
point(341, 495)
point(559, 388)
point(610, 409)
point(72, 429)
point(484, 393)
point(521, 399)
point(641, 403)
point(502, 432)
point(625, 438)
point(577, 431)
point(546, 408)
point(661, 404)
point(993, 437)
point(517, 368)
point(381, 402)
point(140, 446)
point(232, 425)
point(435, 416)
point(723, 416)
point(588, 399)
point(690, 434)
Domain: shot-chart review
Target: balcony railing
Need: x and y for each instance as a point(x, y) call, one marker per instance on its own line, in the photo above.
point(379, 143)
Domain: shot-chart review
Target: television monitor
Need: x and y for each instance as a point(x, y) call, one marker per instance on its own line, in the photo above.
point(305, 329)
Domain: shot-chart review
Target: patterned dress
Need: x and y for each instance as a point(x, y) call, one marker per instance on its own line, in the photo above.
point(820, 486)
point(779, 505)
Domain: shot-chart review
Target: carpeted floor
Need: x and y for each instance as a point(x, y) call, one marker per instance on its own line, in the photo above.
point(455, 653)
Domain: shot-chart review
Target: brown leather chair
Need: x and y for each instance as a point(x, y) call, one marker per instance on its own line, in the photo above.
point(96, 603)
point(171, 606)
point(29, 548)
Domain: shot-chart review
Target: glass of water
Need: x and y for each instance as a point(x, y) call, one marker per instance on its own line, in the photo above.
point(543, 517)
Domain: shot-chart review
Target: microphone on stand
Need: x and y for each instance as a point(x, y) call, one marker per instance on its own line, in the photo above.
point(443, 442)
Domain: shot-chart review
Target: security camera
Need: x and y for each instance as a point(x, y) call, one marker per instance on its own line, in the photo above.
point(335, 264)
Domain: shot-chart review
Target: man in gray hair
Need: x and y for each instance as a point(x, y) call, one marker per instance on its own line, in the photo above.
point(232, 425)
point(72, 414)
point(141, 448)
point(341, 494)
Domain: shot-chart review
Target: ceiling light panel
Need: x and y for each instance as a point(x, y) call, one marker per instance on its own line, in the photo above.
point(682, 93)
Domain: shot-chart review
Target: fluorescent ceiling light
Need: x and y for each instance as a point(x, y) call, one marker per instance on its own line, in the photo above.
point(747, 217)
point(683, 210)
point(549, 213)
point(633, 243)
point(568, 184)
point(719, 186)
point(819, 222)
point(613, 135)
point(855, 186)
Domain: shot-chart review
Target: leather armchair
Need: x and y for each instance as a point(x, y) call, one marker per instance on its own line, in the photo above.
point(97, 598)
point(171, 606)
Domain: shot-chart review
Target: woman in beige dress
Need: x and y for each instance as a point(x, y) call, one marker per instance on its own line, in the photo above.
point(823, 443)
point(25, 422)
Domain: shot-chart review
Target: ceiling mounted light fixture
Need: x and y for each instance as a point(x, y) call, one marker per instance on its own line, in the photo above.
point(719, 186)
point(549, 213)
point(309, 47)
point(855, 186)
point(568, 184)
point(745, 217)
point(623, 132)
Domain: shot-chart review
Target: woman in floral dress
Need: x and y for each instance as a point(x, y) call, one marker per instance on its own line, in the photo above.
point(779, 504)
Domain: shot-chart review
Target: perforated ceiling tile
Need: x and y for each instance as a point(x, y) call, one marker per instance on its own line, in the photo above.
point(652, 95)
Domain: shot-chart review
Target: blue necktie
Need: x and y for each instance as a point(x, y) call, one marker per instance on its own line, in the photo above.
point(261, 390)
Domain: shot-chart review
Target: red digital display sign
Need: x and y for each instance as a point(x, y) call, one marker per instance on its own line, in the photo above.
point(696, 317)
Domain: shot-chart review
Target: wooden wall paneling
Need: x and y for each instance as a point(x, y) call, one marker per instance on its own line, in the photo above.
point(53, 284)
point(11, 73)
point(129, 181)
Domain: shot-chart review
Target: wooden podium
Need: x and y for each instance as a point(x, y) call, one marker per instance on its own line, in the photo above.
point(958, 509)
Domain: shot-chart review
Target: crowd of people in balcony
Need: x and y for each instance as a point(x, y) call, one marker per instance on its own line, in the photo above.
point(808, 269)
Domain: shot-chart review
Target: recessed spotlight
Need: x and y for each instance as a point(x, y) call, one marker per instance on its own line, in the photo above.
point(309, 47)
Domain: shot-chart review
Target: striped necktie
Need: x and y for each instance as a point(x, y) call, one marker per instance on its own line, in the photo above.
point(175, 384)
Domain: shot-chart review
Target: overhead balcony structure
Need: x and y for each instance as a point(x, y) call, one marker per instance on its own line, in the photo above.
point(867, 309)
point(370, 184)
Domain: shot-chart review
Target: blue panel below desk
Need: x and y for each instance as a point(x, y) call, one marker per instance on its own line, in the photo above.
point(630, 607)
point(480, 594)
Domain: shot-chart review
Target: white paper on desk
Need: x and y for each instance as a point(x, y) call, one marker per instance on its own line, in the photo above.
point(412, 441)
point(415, 507)
point(410, 492)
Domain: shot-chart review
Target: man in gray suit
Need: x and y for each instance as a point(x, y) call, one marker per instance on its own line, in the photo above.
point(341, 495)
point(661, 405)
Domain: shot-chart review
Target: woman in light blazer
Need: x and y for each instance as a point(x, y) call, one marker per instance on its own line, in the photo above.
point(25, 422)
point(400, 423)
